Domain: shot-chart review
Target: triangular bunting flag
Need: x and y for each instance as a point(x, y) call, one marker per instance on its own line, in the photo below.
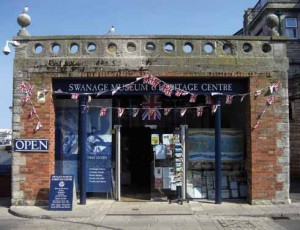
point(214, 108)
point(184, 93)
point(74, 96)
point(199, 111)
point(146, 79)
point(153, 81)
point(167, 89)
point(22, 87)
point(178, 93)
point(29, 89)
point(115, 90)
point(135, 112)
point(257, 93)
point(167, 111)
point(38, 126)
point(229, 99)
point(276, 87)
point(208, 100)
point(103, 111)
point(256, 125)
point(243, 97)
point(193, 98)
point(270, 100)
point(89, 99)
point(32, 113)
point(26, 98)
point(120, 112)
point(183, 111)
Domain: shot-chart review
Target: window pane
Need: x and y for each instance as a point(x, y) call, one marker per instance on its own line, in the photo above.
point(291, 33)
point(291, 22)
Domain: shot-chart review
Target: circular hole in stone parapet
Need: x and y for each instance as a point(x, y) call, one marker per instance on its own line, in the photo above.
point(74, 48)
point(91, 47)
point(131, 47)
point(55, 48)
point(266, 48)
point(150, 47)
point(208, 48)
point(112, 48)
point(227, 48)
point(188, 47)
point(247, 47)
point(169, 47)
point(38, 48)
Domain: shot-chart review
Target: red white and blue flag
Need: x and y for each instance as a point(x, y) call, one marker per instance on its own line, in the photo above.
point(151, 106)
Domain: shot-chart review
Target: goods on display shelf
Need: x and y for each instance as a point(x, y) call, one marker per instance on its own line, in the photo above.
point(201, 184)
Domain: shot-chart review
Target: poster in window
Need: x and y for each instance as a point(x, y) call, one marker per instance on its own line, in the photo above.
point(202, 145)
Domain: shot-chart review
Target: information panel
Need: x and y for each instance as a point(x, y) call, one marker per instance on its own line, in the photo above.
point(61, 193)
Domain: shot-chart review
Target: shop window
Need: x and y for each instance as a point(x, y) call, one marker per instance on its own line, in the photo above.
point(98, 144)
point(291, 26)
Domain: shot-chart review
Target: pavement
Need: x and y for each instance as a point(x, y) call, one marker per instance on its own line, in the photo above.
point(204, 214)
point(101, 208)
point(200, 214)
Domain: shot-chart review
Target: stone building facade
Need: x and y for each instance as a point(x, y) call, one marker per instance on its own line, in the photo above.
point(287, 24)
point(150, 117)
point(258, 62)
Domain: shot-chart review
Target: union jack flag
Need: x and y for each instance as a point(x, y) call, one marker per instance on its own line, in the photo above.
point(151, 106)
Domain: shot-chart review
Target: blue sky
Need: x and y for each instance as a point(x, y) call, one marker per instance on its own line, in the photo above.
point(94, 17)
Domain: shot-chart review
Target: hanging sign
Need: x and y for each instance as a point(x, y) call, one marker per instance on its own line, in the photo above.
point(123, 86)
point(31, 145)
point(61, 193)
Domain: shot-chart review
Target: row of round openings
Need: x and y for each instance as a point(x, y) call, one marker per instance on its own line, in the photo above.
point(150, 47)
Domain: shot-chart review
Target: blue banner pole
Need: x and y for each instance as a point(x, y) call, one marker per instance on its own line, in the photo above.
point(218, 160)
point(82, 148)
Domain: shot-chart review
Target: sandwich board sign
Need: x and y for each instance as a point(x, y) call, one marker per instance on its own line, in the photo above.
point(61, 193)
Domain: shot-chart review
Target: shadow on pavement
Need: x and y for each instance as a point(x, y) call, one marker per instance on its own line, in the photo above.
point(5, 202)
point(295, 190)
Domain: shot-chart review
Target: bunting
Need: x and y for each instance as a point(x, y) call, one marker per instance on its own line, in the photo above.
point(152, 112)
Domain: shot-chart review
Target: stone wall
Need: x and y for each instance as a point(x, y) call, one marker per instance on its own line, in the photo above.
point(260, 60)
